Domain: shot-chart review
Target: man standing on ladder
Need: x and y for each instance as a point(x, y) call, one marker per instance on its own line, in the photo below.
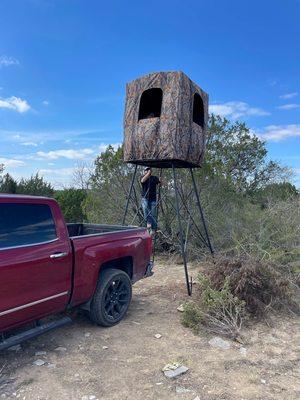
point(149, 201)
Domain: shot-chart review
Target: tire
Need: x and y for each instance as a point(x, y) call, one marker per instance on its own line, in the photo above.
point(112, 298)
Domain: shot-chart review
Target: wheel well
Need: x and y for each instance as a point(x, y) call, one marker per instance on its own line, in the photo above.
point(125, 264)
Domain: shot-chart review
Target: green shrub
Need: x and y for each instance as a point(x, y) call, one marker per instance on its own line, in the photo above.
point(192, 316)
point(216, 310)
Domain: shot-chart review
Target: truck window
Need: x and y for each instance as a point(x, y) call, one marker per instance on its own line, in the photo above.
point(25, 224)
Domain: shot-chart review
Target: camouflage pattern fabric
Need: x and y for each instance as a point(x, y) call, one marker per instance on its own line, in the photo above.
point(172, 138)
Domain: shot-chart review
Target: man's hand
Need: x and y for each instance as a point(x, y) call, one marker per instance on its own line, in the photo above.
point(146, 176)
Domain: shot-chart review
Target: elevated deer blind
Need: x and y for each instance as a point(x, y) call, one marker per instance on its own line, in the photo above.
point(165, 126)
point(165, 121)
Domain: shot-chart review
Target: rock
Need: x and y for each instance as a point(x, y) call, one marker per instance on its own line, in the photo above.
point(87, 334)
point(180, 308)
point(158, 383)
point(104, 347)
point(220, 343)
point(243, 351)
point(197, 398)
point(40, 353)
point(61, 349)
point(181, 390)
point(263, 381)
point(158, 336)
point(39, 362)
point(51, 366)
point(172, 371)
point(91, 397)
point(17, 347)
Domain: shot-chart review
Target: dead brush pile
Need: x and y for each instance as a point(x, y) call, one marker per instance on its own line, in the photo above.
point(234, 290)
point(260, 285)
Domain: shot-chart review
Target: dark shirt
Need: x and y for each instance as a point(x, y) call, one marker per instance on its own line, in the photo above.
point(149, 188)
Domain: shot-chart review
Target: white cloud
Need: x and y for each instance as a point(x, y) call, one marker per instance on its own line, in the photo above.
point(33, 144)
point(6, 61)
point(288, 95)
point(70, 154)
point(10, 162)
point(45, 103)
point(103, 146)
point(291, 106)
point(277, 133)
point(15, 103)
point(60, 172)
point(59, 177)
point(236, 109)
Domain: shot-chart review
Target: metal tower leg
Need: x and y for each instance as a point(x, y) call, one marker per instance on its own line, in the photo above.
point(201, 213)
point(156, 216)
point(129, 195)
point(182, 245)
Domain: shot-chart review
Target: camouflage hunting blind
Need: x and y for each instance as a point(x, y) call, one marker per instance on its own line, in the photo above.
point(165, 121)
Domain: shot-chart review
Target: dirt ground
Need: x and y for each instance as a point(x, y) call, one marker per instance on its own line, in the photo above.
point(85, 362)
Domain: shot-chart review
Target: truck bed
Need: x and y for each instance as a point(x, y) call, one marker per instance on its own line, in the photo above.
point(83, 229)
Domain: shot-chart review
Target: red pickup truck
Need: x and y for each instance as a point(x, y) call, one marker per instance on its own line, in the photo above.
point(49, 267)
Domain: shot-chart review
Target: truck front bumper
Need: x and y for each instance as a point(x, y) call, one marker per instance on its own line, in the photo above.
point(149, 270)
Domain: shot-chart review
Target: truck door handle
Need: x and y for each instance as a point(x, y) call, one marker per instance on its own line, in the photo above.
point(58, 255)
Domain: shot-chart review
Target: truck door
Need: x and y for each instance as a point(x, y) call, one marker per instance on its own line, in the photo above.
point(35, 262)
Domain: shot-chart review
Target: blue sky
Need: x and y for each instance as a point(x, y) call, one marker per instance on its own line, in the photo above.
point(64, 65)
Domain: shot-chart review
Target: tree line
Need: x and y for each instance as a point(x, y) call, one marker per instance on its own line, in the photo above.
point(236, 171)
point(70, 199)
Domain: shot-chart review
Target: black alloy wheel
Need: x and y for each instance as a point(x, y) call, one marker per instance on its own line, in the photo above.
point(111, 298)
point(117, 298)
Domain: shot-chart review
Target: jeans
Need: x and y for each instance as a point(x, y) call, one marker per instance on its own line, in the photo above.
point(149, 210)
